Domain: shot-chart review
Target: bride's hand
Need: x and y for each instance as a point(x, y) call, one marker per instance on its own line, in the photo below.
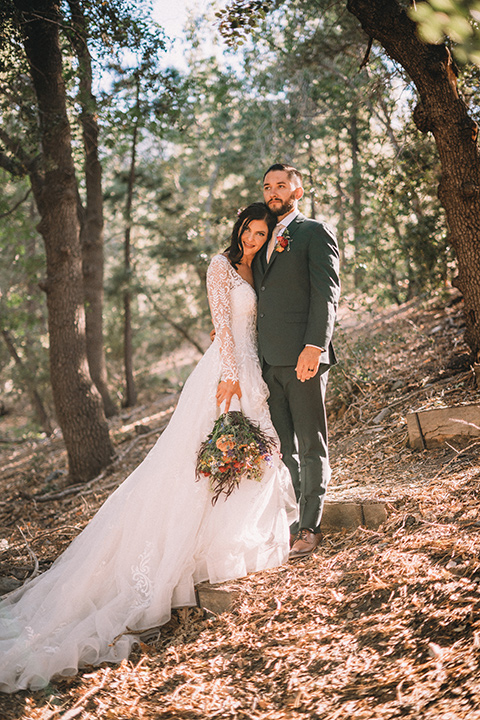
point(225, 392)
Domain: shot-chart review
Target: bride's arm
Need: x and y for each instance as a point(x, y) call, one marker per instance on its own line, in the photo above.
point(218, 288)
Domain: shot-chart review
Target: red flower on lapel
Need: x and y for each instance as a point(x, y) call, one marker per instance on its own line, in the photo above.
point(283, 241)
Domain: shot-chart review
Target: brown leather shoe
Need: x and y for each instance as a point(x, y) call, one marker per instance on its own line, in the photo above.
point(292, 539)
point(305, 544)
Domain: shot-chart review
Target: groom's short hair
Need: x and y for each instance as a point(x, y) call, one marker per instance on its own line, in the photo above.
point(289, 169)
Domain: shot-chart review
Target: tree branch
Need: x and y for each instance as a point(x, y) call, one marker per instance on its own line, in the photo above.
point(15, 148)
point(12, 210)
point(22, 163)
point(367, 54)
point(183, 332)
point(11, 165)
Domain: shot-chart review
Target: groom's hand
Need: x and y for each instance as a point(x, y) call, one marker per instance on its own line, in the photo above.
point(308, 363)
point(226, 390)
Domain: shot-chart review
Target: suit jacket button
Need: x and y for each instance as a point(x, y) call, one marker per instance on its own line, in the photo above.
point(262, 314)
point(263, 287)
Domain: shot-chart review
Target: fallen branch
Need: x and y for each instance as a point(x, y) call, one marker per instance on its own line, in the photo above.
point(424, 388)
point(80, 704)
point(459, 452)
point(36, 564)
point(155, 630)
point(85, 488)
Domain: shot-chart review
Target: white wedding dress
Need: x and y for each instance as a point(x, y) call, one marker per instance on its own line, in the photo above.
point(158, 534)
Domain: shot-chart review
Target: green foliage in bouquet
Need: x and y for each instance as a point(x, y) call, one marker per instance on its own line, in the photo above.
point(236, 448)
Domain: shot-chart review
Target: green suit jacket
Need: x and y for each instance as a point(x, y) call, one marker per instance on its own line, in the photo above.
point(298, 292)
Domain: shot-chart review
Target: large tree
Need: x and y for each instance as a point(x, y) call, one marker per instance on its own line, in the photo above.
point(52, 174)
point(91, 211)
point(37, 116)
point(440, 110)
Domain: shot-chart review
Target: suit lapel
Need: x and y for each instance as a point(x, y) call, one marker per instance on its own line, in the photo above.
point(292, 229)
point(263, 258)
point(272, 259)
point(259, 267)
point(259, 264)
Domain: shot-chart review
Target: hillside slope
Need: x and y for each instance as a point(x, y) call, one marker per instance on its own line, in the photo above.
point(376, 624)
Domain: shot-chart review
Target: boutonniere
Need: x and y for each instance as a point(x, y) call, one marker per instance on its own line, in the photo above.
point(283, 241)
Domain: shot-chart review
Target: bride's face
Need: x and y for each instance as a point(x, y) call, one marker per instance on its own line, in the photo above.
point(253, 237)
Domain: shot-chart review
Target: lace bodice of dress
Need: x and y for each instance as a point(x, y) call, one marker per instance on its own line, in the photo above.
point(233, 306)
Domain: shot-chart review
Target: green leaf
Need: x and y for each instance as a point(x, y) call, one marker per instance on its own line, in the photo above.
point(430, 34)
point(459, 29)
point(444, 5)
point(421, 13)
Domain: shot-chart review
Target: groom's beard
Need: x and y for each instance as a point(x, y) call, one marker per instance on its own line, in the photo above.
point(284, 208)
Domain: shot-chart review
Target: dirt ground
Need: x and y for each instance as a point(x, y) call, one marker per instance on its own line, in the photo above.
point(375, 624)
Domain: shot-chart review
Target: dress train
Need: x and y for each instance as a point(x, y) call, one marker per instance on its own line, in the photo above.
point(158, 534)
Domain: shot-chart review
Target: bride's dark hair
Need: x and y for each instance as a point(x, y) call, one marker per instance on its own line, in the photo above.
point(255, 211)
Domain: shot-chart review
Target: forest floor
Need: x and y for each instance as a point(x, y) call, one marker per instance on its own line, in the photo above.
point(375, 624)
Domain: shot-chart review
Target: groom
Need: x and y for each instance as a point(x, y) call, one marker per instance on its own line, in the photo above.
point(297, 283)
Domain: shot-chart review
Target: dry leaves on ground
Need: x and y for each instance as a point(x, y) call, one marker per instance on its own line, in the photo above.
point(376, 624)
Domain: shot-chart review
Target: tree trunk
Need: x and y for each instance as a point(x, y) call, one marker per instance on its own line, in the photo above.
point(130, 389)
point(29, 384)
point(78, 405)
point(442, 112)
point(340, 203)
point(91, 234)
point(358, 273)
point(312, 163)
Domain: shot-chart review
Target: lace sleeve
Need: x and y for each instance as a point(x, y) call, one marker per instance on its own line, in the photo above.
point(218, 288)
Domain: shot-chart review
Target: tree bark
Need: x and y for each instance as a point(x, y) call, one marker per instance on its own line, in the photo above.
point(356, 195)
point(78, 405)
point(91, 234)
point(441, 111)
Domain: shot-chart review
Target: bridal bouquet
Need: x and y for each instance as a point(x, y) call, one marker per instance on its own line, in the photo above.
point(236, 448)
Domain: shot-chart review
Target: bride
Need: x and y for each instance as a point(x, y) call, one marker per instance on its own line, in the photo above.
point(158, 534)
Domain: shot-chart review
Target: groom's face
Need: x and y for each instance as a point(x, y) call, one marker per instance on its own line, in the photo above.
point(281, 193)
